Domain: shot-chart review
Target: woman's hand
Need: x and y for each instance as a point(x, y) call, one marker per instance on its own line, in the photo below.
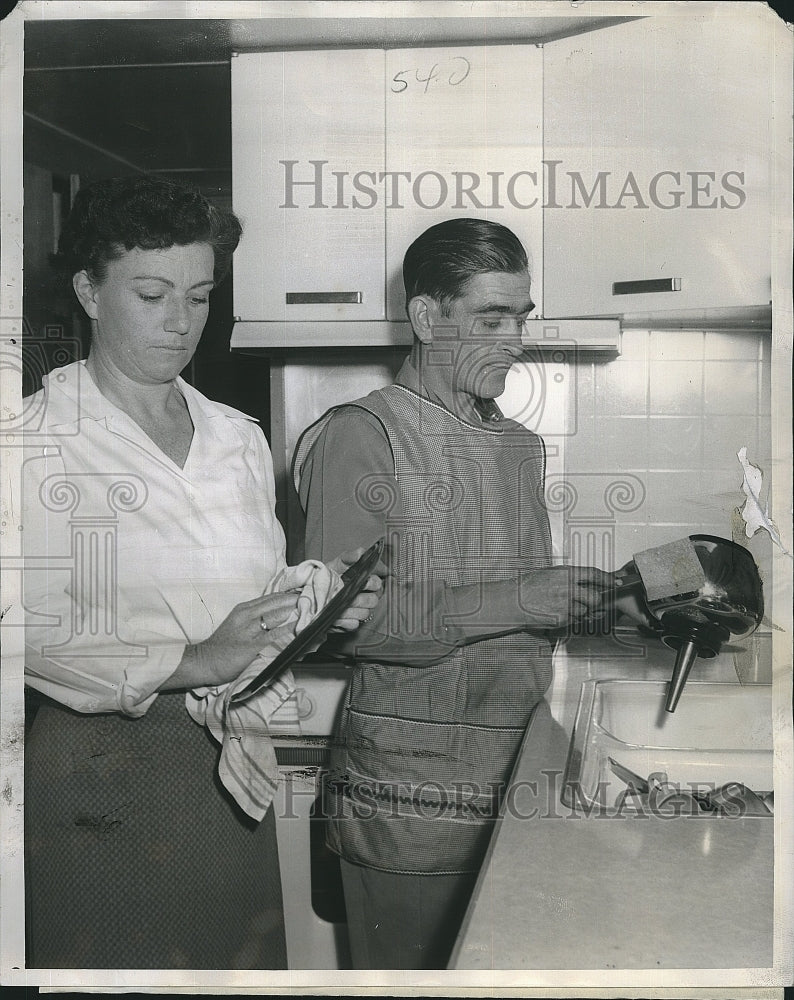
point(365, 602)
point(241, 635)
point(222, 656)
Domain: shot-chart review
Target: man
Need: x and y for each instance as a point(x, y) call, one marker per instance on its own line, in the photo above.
point(457, 654)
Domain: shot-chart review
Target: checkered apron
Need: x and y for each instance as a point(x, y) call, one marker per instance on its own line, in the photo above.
point(425, 754)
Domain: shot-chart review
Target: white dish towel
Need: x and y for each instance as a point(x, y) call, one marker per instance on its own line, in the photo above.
point(247, 765)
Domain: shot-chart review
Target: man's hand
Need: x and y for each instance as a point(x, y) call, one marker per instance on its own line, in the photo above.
point(363, 604)
point(561, 595)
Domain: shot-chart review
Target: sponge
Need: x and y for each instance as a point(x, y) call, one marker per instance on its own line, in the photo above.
point(670, 570)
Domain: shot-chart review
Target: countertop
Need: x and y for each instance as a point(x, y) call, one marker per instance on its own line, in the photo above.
point(564, 890)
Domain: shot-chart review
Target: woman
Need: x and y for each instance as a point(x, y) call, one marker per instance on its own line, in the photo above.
point(151, 540)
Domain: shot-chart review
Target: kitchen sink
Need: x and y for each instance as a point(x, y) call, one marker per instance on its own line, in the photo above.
point(719, 733)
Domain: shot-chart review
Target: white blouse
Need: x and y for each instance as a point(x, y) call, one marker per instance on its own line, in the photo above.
point(129, 558)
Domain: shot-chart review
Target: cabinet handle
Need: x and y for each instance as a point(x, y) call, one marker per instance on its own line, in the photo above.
point(323, 298)
point(649, 285)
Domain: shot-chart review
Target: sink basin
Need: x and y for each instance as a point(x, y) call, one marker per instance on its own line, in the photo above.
point(719, 733)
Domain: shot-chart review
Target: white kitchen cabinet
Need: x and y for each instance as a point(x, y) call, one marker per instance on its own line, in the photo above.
point(657, 146)
point(464, 137)
point(303, 124)
point(341, 158)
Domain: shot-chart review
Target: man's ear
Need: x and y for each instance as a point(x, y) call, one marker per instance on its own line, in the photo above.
point(421, 312)
point(85, 290)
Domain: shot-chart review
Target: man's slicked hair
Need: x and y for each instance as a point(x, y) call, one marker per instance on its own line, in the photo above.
point(443, 259)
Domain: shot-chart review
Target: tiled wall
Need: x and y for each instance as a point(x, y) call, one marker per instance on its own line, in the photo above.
point(641, 448)
point(665, 419)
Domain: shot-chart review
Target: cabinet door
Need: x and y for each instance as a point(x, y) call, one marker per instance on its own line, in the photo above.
point(657, 143)
point(303, 124)
point(463, 137)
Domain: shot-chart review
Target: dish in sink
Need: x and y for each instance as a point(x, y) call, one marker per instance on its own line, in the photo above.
point(720, 733)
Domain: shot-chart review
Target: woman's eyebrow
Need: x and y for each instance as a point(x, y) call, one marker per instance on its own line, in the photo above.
point(165, 281)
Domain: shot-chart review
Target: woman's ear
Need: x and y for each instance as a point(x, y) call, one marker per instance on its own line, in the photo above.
point(85, 290)
point(421, 312)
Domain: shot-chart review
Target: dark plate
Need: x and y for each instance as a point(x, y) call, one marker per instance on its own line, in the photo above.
point(353, 581)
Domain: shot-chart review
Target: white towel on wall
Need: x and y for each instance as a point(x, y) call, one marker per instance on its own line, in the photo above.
point(247, 765)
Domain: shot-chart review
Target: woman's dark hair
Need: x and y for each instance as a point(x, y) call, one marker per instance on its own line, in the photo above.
point(446, 256)
point(112, 216)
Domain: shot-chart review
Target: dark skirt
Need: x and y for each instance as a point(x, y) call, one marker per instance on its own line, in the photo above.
point(135, 856)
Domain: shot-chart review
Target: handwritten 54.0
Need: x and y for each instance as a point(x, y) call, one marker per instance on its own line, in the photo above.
point(452, 71)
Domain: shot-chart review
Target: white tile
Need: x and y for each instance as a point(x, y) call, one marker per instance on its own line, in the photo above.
point(686, 497)
point(581, 394)
point(606, 495)
point(676, 345)
point(765, 437)
point(765, 387)
point(724, 436)
point(583, 449)
point(623, 442)
point(724, 484)
point(766, 346)
point(622, 388)
point(630, 538)
point(634, 345)
point(675, 442)
point(676, 388)
point(730, 387)
point(662, 534)
point(733, 345)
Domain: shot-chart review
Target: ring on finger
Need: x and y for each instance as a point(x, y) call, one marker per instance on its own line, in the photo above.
point(263, 624)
